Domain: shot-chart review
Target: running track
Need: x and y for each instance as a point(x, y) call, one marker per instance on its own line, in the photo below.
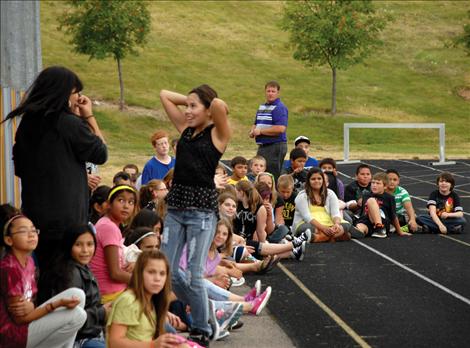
point(397, 292)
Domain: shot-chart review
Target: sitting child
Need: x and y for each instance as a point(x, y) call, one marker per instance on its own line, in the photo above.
point(121, 178)
point(274, 204)
point(285, 188)
point(403, 206)
point(297, 170)
point(317, 210)
point(138, 315)
point(239, 166)
point(354, 191)
point(250, 223)
point(108, 264)
point(378, 211)
point(98, 203)
point(159, 165)
point(257, 165)
point(22, 324)
point(71, 270)
point(133, 172)
point(445, 211)
point(328, 166)
point(302, 142)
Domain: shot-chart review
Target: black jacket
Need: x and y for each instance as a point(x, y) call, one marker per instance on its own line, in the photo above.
point(49, 155)
point(82, 278)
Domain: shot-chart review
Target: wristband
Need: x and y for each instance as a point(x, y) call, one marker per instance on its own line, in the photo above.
point(89, 116)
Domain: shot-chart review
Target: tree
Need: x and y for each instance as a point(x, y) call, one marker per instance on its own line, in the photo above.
point(464, 38)
point(103, 28)
point(339, 33)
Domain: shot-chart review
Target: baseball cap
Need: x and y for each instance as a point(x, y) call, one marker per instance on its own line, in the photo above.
point(301, 139)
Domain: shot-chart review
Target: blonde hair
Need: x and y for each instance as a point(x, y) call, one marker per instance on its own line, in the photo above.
point(273, 186)
point(285, 181)
point(253, 197)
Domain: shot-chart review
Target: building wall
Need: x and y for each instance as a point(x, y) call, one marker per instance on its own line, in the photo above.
point(20, 52)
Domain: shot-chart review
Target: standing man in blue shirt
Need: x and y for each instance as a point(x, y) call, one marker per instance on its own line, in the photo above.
point(269, 129)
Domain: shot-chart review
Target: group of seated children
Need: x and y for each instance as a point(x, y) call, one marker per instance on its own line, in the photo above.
point(317, 200)
point(111, 286)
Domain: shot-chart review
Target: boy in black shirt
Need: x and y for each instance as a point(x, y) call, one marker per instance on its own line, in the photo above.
point(378, 210)
point(445, 211)
point(297, 170)
point(285, 188)
point(354, 191)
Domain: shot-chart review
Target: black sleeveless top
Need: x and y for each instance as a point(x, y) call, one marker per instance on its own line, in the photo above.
point(193, 182)
point(245, 221)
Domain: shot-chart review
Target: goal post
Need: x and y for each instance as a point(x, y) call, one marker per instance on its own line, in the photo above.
point(440, 126)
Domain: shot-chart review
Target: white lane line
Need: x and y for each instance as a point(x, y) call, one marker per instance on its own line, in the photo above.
point(431, 168)
point(359, 340)
point(454, 239)
point(419, 275)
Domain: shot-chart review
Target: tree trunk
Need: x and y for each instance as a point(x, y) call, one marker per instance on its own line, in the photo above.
point(121, 86)
point(333, 92)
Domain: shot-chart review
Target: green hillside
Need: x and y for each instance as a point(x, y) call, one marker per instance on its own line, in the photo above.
point(237, 46)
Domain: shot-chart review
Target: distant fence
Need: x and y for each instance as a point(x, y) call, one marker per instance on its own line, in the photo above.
point(440, 126)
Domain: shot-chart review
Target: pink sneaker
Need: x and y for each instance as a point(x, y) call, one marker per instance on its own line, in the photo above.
point(260, 302)
point(253, 293)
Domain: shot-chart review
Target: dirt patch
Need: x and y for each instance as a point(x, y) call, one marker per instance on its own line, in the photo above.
point(132, 110)
point(464, 92)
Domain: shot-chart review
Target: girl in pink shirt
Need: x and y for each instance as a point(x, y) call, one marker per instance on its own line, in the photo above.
point(108, 263)
point(21, 323)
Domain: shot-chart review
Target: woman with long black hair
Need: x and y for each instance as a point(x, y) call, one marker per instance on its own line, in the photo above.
point(57, 135)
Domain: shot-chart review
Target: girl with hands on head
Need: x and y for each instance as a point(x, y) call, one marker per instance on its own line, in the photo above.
point(192, 200)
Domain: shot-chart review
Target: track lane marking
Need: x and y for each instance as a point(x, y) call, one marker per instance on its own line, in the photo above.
point(454, 239)
point(419, 275)
point(359, 340)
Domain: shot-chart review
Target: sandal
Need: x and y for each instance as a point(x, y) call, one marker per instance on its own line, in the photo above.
point(264, 264)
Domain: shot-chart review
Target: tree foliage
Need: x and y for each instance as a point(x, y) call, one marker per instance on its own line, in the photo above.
point(337, 33)
point(103, 28)
point(464, 38)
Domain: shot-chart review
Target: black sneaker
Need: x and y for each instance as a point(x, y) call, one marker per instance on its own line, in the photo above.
point(298, 253)
point(236, 326)
point(379, 232)
point(426, 229)
point(456, 229)
point(199, 337)
point(305, 236)
point(356, 233)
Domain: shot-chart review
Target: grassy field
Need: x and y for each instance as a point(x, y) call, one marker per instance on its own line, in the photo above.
point(237, 46)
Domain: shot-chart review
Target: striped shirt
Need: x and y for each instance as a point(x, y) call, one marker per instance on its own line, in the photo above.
point(271, 114)
point(401, 196)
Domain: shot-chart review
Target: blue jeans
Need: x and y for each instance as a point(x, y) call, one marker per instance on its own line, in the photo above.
point(278, 234)
point(214, 292)
point(195, 228)
point(449, 223)
point(95, 342)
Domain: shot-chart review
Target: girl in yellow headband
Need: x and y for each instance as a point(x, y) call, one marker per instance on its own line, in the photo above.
point(108, 263)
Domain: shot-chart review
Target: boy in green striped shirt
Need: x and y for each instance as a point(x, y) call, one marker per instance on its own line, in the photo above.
point(404, 208)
